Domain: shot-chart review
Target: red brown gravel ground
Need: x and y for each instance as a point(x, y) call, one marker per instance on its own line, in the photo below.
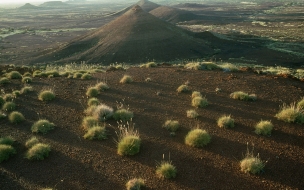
point(76, 163)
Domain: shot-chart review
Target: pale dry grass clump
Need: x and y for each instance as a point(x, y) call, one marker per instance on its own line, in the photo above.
point(197, 138)
point(123, 115)
point(192, 114)
point(6, 151)
point(252, 164)
point(239, 95)
point(16, 117)
point(31, 142)
point(171, 125)
point(199, 102)
point(225, 122)
point(126, 79)
point(102, 86)
point(165, 169)
point(135, 184)
point(89, 122)
point(46, 95)
point(38, 151)
point(196, 94)
point(92, 92)
point(42, 126)
point(101, 112)
point(291, 114)
point(182, 88)
point(93, 102)
point(128, 140)
point(96, 132)
point(263, 128)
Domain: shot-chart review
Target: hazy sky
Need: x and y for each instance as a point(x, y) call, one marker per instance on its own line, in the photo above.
point(22, 1)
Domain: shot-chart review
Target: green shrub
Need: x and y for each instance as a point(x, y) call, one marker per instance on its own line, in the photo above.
point(86, 76)
point(101, 86)
point(199, 102)
point(16, 117)
point(9, 106)
point(6, 151)
point(291, 114)
point(93, 102)
point(46, 95)
point(128, 141)
point(38, 151)
point(166, 170)
point(196, 94)
point(197, 138)
point(102, 112)
point(135, 184)
point(171, 125)
point(7, 140)
point(31, 142)
point(96, 132)
point(27, 80)
point(252, 164)
point(52, 73)
point(42, 126)
point(182, 88)
point(4, 80)
point(37, 73)
point(27, 74)
point(89, 122)
point(225, 122)
point(263, 128)
point(16, 93)
point(123, 114)
point(300, 104)
point(239, 95)
point(14, 75)
point(192, 114)
point(92, 92)
point(26, 89)
point(148, 65)
point(8, 97)
point(126, 79)
point(201, 66)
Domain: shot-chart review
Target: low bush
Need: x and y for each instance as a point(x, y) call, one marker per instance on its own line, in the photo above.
point(128, 141)
point(123, 114)
point(46, 95)
point(102, 112)
point(77, 75)
point(182, 88)
point(9, 106)
point(42, 126)
point(27, 80)
point(165, 169)
point(93, 102)
point(263, 128)
point(101, 86)
point(252, 164)
point(300, 104)
point(96, 132)
point(26, 89)
point(148, 65)
point(16, 93)
point(135, 184)
point(27, 74)
point(199, 102)
point(192, 114)
point(31, 142)
point(7, 140)
point(38, 151)
point(4, 80)
point(239, 95)
point(53, 73)
point(197, 138)
point(92, 92)
point(126, 79)
point(89, 122)
point(171, 125)
point(6, 151)
point(291, 114)
point(225, 122)
point(196, 94)
point(16, 117)
point(86, 76)
point(14, 75)
point(8, 97)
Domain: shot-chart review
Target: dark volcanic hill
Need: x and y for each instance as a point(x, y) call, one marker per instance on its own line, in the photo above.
point(53, 4)
point(134, 37)
point(174, 15)
point(28, 6)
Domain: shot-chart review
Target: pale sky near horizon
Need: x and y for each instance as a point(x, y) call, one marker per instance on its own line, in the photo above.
point(23, 1)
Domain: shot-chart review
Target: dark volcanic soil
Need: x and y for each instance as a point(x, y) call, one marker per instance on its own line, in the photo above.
point(75, 163)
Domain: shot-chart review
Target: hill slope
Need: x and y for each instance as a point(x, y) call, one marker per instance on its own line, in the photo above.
point(135, 37)
point(28, 6)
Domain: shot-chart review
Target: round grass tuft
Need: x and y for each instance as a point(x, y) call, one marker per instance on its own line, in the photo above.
point(129, 145)
point(251, 164)
point(46, 95)
point(225, 122)
point(166, 170)
point(9, 106)
point(38, 151)
point(197, 138)
point(27, 80)
point(171, 125)
point(6, 151)
point(263, 128)
point(42, 126)
point(7, 140)
point(199, 102)
point(16, 117)
point(102, 86)
point(126, 79)
point(102, 112)
point(26, 89)
point(89, 122)
point(92, 92)
point(96, 132)
point(192, 114)
point(4, 80)
point(14, 75)
point(135, 184)
point(93, 102)
point(86, 76)
point(196, 94)
point(291, 114)
point(8, 97)
point(123, 114)
point(182, 88)
point(31, 142)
